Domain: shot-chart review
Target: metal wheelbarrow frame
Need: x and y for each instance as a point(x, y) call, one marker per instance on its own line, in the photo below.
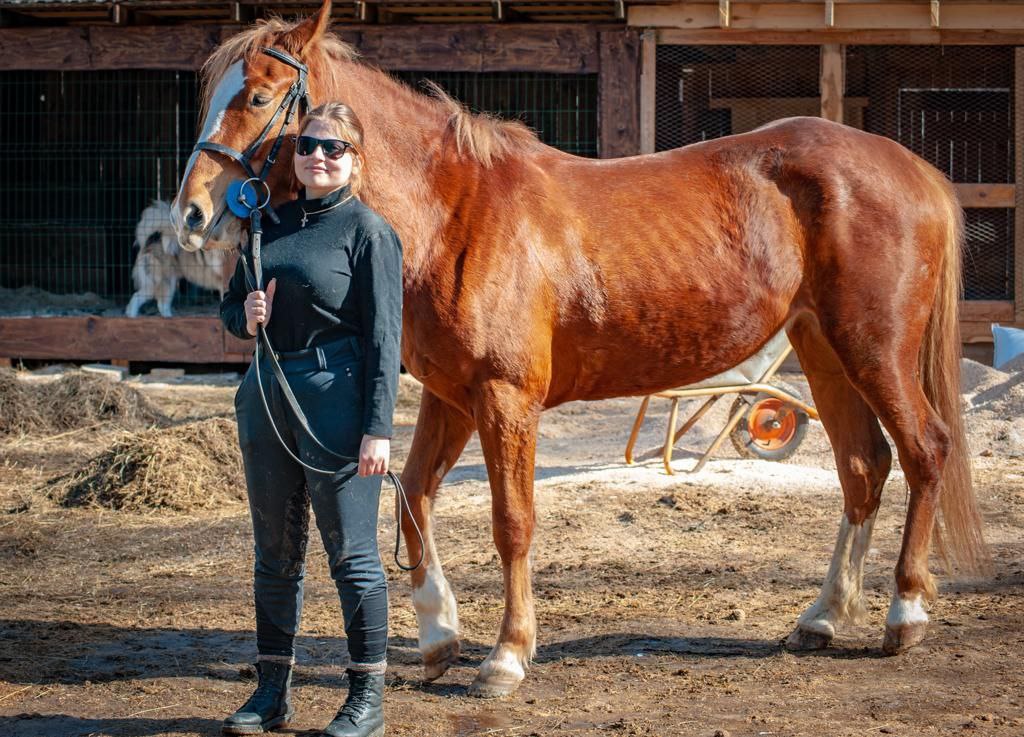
point(715, 392)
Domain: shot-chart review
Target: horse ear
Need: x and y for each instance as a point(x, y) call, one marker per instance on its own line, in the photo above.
point(308, 31)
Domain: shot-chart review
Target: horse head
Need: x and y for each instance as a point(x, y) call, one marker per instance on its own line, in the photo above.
point(247, 92)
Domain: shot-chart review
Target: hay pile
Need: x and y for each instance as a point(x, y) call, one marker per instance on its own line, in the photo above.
point(184, 468)
point(75, 400)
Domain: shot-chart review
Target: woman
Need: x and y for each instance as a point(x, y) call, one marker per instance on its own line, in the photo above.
point(333, 311)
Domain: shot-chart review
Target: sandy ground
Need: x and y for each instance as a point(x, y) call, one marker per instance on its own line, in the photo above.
point(661, 601)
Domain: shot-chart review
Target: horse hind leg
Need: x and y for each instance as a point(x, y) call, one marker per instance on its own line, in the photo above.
point(863, 460)
point(882, 365)
point(441, 434)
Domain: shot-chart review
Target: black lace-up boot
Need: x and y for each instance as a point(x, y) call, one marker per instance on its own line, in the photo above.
point(270, 705)
point(363, 714)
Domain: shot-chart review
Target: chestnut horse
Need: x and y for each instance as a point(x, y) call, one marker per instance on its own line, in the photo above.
point(534, 277)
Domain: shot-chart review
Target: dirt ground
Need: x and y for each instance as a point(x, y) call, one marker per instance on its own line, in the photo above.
point(661, 601)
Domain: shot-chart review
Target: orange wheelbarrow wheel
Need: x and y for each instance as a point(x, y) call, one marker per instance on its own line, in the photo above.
point(771, 428)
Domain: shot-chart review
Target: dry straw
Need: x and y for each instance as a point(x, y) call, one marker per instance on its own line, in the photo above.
point(75, 400)
point(184, 468)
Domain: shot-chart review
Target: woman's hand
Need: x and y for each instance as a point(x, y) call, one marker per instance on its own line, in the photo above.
point(257, 307)
point(373, 455)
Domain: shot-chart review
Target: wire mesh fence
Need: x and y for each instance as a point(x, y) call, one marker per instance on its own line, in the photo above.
point(85, 153)
point(561, 108)
point(88, 153)
point(953, 106)
point(705, 92)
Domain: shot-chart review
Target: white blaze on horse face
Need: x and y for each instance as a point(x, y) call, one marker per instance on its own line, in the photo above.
point(841, 598)
point(227, 89)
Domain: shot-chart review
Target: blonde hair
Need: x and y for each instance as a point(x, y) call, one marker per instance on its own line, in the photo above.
point(345, 123)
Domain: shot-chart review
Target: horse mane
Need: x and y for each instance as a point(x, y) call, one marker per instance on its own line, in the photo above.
point(482, 136)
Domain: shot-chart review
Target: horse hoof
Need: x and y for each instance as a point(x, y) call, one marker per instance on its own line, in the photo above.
point(903, 637)
point(440, 658)
point(800, 639)
point(494, 687)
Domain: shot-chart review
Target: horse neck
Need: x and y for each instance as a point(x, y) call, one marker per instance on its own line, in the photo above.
point(403, 133)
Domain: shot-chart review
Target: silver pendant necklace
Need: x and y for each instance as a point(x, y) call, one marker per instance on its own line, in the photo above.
point(305, 215)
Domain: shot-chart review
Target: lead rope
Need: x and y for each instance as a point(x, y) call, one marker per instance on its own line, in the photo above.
point(401, 500)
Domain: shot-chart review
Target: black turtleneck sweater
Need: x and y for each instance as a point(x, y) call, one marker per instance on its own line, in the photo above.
point(339, 276)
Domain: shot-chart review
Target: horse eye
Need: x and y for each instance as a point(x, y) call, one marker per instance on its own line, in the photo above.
point(260, 101)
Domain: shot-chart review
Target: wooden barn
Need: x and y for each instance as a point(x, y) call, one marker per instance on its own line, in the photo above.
point(98, 107)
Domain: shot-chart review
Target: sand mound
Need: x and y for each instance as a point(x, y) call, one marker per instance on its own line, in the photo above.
point(75, 400)
point(195, 465)
point(976, 377)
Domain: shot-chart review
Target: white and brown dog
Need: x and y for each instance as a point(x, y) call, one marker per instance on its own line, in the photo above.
point(162, 262)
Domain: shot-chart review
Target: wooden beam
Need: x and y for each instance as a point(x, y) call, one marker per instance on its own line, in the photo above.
point(1018, 215)
point(648, 89)
point(179, 339)
point(988, 311)
point(533, 47)
point(986, 195)
point(833, 81)
point(480, 47)
point(849, 16)
point(618, 115)
point(107, 47)
point(746, 37)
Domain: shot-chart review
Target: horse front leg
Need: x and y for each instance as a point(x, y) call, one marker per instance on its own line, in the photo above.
point(441, 434)
point(507, 420)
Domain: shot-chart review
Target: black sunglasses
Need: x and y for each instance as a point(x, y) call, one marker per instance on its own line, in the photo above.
point(333, 148)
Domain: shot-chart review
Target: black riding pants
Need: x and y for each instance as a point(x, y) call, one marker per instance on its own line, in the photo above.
point(328, 383)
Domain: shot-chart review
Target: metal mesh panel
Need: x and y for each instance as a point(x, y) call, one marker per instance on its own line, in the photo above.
point(953, 106)
point(706, 92)
point(84, 154)
point(562, 108)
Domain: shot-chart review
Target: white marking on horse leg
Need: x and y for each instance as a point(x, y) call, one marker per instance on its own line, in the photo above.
point(906, 622)
point(437, 614)
point(909, 610)
point(501, 673)
point(842, 594)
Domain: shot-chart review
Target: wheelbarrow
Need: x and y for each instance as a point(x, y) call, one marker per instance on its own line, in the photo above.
point(766, 421)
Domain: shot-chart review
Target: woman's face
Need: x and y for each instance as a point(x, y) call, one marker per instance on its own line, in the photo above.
point(318, 173)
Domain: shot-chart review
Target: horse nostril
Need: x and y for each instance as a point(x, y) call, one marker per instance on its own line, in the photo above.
point(194, 217)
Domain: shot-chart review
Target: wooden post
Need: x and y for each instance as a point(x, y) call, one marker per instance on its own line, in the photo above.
point(618, 118)
point(833, 81)
point(1018, 212)
point(648, 89)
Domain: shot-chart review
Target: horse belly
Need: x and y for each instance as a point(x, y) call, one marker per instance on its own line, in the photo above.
point(676, 327)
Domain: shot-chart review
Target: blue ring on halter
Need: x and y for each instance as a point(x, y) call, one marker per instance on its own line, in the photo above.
point(242, 197)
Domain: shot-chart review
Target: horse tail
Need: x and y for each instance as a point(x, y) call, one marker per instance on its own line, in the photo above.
point(959, 539)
